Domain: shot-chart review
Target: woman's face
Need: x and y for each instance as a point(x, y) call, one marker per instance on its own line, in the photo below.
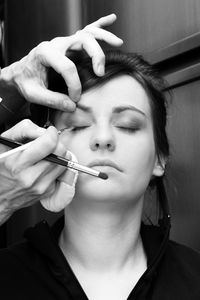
point(112, 132)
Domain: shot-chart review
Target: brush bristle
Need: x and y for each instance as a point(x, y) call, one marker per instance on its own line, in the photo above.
point(103, 175)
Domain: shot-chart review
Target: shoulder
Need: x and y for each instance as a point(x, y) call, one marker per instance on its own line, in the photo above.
point(179, 273)
point(184, 257)
point(16, 255)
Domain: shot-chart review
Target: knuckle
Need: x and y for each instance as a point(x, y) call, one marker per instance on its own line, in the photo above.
point(55, 40)
point(12, 169)
point(8, 166)
point(69, 67)
point(40, 190)
point(79, 32)
point(58, 42)
point(41, 48)
point(86, 29)
point(83, 34)
point(26, 123)
point(26, 183)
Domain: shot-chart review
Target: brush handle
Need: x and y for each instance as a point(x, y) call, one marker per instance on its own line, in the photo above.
point(17, 147)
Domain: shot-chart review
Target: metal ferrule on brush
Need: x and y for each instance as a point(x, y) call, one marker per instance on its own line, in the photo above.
point(81, 168)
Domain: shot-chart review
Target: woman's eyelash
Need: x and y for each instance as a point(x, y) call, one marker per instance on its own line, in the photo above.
point(72, 128)
point(128, 129)
point(78, 128)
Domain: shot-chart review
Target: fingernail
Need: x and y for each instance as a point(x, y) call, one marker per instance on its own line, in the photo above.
point(77, 97)
point(68, 155)
point(69, 106)
point(121, 41)
point(100, 70)
point(70, 177)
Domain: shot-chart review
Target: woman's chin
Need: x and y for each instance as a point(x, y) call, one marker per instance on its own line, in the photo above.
point(98, 189)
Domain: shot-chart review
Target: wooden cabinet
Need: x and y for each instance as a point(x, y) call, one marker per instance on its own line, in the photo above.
point(183, 178)
point(27, 23)
point(149, 25)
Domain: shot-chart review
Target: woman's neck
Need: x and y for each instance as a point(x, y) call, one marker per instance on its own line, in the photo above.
point(102, 237)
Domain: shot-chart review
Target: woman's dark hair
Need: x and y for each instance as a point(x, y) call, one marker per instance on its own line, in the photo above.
point(119, 63)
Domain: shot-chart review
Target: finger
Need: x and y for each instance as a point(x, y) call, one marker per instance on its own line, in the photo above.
point(104, 21)
point(93, 49)
point(25, 159)
point(62, 196)
point(66, 68)
point(42, 176)
point(70, 175)
point(104, 35)
point(64, 190)
point(38, 178)
point(40, 148)
point(25, 129)
point(53, 171)
point(41, 95)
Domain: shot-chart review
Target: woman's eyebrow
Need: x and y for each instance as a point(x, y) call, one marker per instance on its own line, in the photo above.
point(119, 109)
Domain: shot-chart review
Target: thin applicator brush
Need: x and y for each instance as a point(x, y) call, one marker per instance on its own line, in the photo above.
point(17, 147)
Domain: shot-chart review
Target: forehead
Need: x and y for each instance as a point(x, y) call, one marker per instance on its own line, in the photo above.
point(121, 90)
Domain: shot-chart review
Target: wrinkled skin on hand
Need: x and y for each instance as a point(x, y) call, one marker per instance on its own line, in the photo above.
point(25, 178)
point(64, 191)
point(27, 78)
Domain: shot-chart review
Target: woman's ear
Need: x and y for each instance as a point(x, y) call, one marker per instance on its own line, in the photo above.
point(159, 167)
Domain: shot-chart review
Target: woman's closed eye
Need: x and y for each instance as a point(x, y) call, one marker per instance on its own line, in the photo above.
point(79, 128)
point(74, 128)
point(129, 127)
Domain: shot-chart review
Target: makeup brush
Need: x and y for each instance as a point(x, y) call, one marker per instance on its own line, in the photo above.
point(59, 160)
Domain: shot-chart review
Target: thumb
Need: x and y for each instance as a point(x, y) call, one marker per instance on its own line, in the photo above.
point(70, 176)
point(65, 189)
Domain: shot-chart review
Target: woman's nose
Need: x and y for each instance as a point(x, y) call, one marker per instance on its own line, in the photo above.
point(103, 139)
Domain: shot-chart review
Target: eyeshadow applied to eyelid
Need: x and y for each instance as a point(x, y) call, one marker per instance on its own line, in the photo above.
point(128, 129)
point(129, 123)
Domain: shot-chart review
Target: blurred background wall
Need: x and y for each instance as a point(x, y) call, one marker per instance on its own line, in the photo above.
point(167, 33)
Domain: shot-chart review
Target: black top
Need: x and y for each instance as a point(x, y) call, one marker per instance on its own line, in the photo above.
point(37, 268)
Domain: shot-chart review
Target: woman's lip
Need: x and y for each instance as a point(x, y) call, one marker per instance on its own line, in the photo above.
point(104, 163)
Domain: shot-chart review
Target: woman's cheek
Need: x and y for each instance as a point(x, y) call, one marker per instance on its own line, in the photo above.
point(71, 144)
point(66, 140)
